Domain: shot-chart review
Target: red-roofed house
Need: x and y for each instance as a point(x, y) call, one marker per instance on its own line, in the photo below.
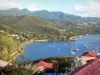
point(43, 65)
point(91, 68)
point(89, 56)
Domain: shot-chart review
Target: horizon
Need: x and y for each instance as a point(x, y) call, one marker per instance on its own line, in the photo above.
point(86, 8)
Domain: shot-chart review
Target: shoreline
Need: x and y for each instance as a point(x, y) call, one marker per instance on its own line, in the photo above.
point(21, 50)
point(18, 54)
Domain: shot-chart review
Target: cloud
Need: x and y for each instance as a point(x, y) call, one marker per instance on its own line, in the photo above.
point(5, 4)
point(32, 7)
point(91, 10)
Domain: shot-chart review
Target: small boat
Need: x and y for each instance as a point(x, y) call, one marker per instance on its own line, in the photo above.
point(97, 51)
point(58, 48)
point(93, 50)
point(72, 53)
point(76, 49)
point(85, 46)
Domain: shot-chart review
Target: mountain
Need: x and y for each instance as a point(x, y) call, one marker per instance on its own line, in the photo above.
point(59, 18)
point(64, 20)
point(27, 23)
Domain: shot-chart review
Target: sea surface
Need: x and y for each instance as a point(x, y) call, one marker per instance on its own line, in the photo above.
point(39, 50)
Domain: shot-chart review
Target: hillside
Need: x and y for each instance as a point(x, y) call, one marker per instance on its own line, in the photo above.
point(7, 46)
point(31, 27)
point(59, 18)
point(28, 23)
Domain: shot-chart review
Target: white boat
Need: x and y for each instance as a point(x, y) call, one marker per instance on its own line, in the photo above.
point(85, 46)
point(72, 52)
point(58, 48)
point(97, 52)
point(76, 49)
point(93, 50)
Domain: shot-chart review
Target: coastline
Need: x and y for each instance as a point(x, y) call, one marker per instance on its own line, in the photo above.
point(21, 50)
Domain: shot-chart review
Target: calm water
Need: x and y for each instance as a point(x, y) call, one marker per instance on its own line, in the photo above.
point(35, 51)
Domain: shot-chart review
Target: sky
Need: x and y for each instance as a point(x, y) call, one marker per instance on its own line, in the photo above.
point(84, 8)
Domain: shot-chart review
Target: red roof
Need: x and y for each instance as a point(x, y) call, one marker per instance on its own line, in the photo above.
point(89, 54)
point(91, 68)
point(45, 65)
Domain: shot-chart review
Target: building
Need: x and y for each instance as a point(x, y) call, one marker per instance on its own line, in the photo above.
point(89, 56)
point(44, 65)
point(91, 68)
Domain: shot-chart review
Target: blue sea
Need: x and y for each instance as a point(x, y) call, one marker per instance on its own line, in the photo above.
point(39, 50)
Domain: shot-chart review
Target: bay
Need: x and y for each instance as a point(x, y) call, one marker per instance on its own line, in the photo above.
point(39, 50)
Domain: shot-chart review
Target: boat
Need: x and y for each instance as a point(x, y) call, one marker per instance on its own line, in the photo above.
point(58, 48)
point(72, 52)
point(76, 49)
point(93, 50)
point(97, 52)
point(85, 46)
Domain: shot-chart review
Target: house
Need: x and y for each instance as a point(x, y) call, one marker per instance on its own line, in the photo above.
point(89, 56)
point(91, 68)
point(44, 65)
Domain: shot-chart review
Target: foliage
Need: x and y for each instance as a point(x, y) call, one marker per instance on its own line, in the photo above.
point(7, 46)
point(21, 68)
point(64, 64)
point(28, 23)
point(7, 29)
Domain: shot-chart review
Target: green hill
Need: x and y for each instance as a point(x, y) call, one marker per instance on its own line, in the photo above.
point(28, 23)
point(7, 46)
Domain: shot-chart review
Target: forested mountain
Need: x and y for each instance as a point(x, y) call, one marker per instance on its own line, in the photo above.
point(27, 23)
point(59, 18)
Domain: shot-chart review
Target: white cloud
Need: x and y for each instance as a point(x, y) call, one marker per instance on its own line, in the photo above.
point(32, 7)
point(5, 4)
point(91, 10)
